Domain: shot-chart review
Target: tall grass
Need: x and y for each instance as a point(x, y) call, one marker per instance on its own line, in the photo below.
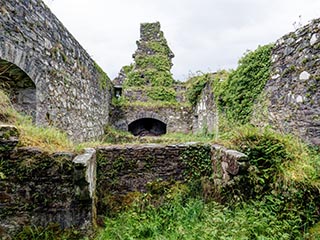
point(194, 219)
point(47, 138)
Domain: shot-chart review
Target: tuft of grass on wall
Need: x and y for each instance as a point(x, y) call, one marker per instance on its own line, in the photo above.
point(49, 138)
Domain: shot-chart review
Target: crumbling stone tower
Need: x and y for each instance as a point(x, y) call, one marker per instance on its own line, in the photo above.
point(151, 67)
point(149, 100)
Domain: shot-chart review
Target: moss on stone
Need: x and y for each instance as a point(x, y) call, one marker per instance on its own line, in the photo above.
point(152, 65)
point(103, 78)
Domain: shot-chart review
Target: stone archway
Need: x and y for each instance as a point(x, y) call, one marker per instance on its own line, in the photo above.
point(147, 127)
point(19, 87)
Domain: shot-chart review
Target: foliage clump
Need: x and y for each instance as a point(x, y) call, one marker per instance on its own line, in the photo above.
point(195, 85)
point(244, 84)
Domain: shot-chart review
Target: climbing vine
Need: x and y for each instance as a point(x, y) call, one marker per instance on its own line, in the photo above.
point(198, 161)
point(195, 86)
point(245, 84)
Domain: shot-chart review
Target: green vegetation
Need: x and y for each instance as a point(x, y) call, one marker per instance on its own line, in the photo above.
point(162, 94)
point(47, 138)
point(245, 84)
point(198, 162)
point(151, 70)
point(275, 199)
point(104, 80)
point(195, 86)
point(51, 232)
point(235, 92)
point(192, 218)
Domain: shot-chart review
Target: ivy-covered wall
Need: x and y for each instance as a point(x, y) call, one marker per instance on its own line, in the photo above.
point(124, 172)
point(149, 77)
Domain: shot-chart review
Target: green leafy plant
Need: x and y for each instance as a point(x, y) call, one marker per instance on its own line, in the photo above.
point(245, 84)
point(51, 232)
point(195, 86)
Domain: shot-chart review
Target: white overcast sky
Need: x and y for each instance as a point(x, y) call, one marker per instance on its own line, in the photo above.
point(205, 35)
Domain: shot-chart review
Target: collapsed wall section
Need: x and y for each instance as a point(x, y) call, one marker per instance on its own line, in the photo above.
point(205, 116)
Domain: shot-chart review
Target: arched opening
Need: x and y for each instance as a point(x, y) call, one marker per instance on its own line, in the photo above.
point(19, 87)
point(147, 127)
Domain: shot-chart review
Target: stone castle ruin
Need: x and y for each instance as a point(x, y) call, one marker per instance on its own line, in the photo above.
point(149, 80)
point(49, 76)
point(292, 95)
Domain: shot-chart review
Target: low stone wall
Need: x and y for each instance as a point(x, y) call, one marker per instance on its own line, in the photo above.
point(123, 171)
point(37, 188)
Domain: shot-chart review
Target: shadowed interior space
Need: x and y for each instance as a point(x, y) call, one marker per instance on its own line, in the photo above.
point(147, 127)
point(19, 87)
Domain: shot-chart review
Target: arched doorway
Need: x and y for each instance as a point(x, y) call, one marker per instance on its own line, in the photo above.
point(19, 87)
point(147, 127)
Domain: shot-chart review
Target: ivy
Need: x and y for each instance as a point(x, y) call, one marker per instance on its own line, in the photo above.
point(157, 61)
point(159, 47)
point(245, 84)
point(162, 94)
point(198, 162)
point(195, 86)
point(150, 77)
point(152, 65)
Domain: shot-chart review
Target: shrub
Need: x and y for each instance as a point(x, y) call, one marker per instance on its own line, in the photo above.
point(245, 84)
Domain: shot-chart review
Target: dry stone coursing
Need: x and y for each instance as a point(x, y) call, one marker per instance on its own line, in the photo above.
point(124, 170)
point(292, 95)
point(177, 119)
point(205, 117)
point(38, 188)
point(68, 89)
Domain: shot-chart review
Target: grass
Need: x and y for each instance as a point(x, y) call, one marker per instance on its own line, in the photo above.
point(192, 218)
point(152, 104)
point(281, 202)
point(301, 162)
point(48, 139)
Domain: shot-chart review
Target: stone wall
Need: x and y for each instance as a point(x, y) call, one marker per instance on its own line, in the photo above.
point(38, 188)
point(177, 118)
point(123, 171)
point(292, 95)
point(205, 117)
point(71, 91)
